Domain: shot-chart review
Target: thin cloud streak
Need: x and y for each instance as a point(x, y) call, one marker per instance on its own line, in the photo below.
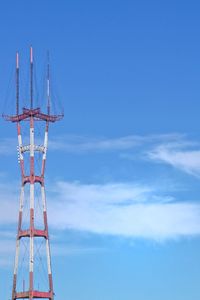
point(77, 144)
point(186, 160)
point(137, 213)
point(119, 209)
point(81, 144)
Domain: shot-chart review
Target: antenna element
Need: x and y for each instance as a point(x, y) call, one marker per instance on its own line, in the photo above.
point(31, 76)
point(17, 83)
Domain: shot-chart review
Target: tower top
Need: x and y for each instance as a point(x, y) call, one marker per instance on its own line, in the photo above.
point(31, 112)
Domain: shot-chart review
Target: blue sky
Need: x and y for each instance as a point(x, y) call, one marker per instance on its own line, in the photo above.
point(123, 165)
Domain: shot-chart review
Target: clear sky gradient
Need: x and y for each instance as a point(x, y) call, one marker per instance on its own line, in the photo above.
point(123, 166)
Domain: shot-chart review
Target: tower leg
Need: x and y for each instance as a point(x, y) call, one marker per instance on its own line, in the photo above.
point(18, 242)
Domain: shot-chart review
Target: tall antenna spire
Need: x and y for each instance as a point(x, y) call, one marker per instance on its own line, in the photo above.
point(31, 176)
point(17, 83)
point(48, 84)
point(31, 76)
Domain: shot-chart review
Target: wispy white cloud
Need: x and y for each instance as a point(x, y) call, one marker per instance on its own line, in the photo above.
point(118, 209)
point(123, 210)
point(178, 155)
point(79, 144)
point(173, 149)
point(82, 144)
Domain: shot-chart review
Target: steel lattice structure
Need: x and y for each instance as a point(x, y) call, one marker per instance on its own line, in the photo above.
point(31, 116)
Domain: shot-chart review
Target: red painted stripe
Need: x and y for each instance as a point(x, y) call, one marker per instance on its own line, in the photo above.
point(34, 294)
point(31, 281)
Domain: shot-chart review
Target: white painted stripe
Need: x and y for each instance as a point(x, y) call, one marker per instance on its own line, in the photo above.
point(21, 204)
point(48, 256)
point(32, 142)
point(32, 195)
point(45, 145)
point(20, 147)
point(43, 198)
point(20, 140)
point(31, 262)
point(16, 256)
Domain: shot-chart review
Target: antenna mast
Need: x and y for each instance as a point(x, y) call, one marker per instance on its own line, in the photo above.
point(48, 84)
point(31, 76)
point(17, 83)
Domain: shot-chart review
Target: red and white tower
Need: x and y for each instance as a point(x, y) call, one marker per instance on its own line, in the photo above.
point(32, 179)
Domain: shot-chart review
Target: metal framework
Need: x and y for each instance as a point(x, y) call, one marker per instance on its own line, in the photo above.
point(32, 115)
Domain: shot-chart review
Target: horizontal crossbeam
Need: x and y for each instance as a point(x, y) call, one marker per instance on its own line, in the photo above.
point(29, 179)
point(34, 294)
point(35, 233)
point(27, 148)
point(34, 113)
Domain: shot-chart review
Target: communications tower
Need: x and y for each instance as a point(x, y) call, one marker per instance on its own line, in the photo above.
point(32, 179)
